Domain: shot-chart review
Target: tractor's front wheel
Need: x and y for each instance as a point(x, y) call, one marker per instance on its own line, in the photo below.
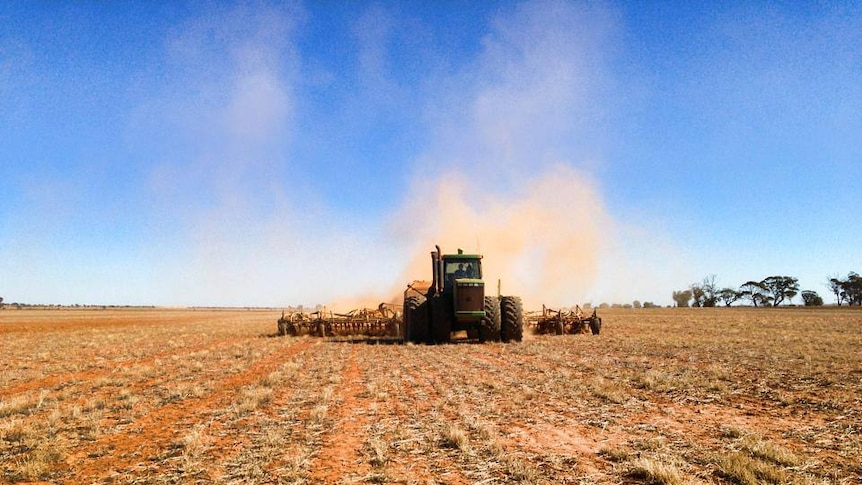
point(489, 327)
point(415, 319)
point(512, 319)
point(441, 319)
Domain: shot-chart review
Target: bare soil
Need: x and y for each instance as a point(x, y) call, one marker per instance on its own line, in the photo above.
point(725, 395)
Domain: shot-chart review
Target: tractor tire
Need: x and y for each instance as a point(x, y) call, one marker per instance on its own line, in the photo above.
point(489, 326)
point(595, 325)
point(512, 319)
point(441, 320)
point(415, 319)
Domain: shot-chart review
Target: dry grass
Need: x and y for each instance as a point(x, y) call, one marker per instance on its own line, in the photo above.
point(455, 437)
point(662, 396)
point(656, 471)
point(770, 452)
point(745, 470)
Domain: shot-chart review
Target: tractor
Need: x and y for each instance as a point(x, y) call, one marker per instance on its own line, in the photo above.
point(455, 301)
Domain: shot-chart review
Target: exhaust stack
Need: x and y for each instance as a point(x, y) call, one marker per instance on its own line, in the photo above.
point(435, 267)
point(439, 269)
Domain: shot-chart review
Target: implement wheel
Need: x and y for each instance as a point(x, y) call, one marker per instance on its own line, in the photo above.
point(595, 325)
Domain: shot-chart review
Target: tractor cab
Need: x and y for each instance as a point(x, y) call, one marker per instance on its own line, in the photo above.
point(459, 267)
point(462, 281)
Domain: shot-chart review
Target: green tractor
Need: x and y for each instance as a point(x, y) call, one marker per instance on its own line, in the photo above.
point(455, 300)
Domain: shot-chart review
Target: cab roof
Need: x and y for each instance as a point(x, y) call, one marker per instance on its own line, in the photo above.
point(461, 255)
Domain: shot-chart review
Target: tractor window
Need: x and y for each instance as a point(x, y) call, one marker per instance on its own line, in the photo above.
point(462, 269)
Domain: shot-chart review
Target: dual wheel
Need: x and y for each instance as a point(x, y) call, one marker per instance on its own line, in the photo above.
point(429, 321)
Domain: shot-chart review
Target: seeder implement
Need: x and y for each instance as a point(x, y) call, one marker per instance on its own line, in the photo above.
point(384, 321)
point(560, 322)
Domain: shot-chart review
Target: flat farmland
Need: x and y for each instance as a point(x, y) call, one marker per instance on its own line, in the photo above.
point(726, 395)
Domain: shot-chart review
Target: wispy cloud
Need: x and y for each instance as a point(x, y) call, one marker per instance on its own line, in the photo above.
point(509, 169)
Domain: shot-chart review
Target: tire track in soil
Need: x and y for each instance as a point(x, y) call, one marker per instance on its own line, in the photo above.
point(404, 405)
point(142, 442)
point(233, 440)
point(237, 436)
point(88, 378)
point(341, 452)
point(423, 402)
point(53, 381)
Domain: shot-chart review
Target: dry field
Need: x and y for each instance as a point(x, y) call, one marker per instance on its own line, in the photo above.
point(662, 396)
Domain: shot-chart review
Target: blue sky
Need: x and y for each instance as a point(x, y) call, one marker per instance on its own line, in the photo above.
point(270, 154)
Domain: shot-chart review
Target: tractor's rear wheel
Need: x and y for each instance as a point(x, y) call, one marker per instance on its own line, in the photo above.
point(489, 327)
point(415, 319)
point(512, 319)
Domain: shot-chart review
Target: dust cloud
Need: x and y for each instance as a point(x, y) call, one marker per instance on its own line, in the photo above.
point(552, 242)
point(542, 243)
point(507, 169)
point(509, 143)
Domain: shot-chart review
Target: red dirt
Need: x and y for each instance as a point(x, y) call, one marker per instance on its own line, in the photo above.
point(115, 395)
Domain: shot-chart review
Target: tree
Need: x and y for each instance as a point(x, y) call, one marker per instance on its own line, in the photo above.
point(852, 289)
point(1, 302)
point(681, 298)
point(811, 298)
point(705, 293)
point(697, 295)
point(729, 296)
point(781, 287)
point(636, 304)
point(710, 291)
point(848, 290)
point(756, 292)
point(835, 285)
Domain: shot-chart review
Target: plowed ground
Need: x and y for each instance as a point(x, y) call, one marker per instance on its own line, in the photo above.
point(662, 396)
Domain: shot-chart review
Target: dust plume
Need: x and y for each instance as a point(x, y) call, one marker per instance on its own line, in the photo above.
point(510, 140)
point(508, 170)
point(543, 242)
point(508, 173)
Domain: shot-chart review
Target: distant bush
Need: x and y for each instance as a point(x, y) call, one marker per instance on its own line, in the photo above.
point(811, 298)
point(682, 298)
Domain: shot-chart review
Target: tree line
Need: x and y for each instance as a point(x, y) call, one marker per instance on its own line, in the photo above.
point(770, 291)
